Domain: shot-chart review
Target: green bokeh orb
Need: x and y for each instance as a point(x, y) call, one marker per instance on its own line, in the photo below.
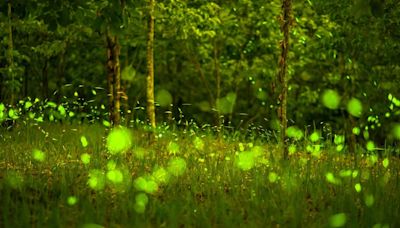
point(331, 99)
point(354, 107)
point(119, 140)
point(164, 98)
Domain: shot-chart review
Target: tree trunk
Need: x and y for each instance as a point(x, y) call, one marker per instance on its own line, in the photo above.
point(286, 19)
point(113, 78)
point(150, 66)
point(218, 85)
point(60, 76)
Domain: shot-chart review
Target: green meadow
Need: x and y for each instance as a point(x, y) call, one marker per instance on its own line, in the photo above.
point(70, 175)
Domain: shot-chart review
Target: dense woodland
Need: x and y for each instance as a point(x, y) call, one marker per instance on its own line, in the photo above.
point(199, 113)
point(212, 62)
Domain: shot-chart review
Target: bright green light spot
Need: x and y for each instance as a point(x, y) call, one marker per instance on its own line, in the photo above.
point(72, 200)
point(396, 131)
point(292, 149)
point(145, 184)
point(139, 208)
point(61, 110)
point(314, 137)
point(369, 200)
point(370, 146)
point(241, 147)
point(84, 141)
point(106, 123)
point(119, 140)
point(164, 98)
point(141, 200)
point(96, 179)
point(27, 105)
point(76, 94)
point(12, 114)
point(385, 162)
point(331, 178)
point(51, 104)
point(115, 176)
point(354, 107)
point(372, 159)
point(345, 173)
point(92, 225)
point(198, 143)
point(331, 99)
point(366, 134)
point(176, 166)
point(245, 160)
point(356, 130)
point(339, 147)
point(94, 92)
point(71, 114)
point(272, 177)
point(355, 173)
point(338, 220)
point(160, 175)
point(38, 155)
point(173, 148)
point(294, 132)
point(357, 187)
point(2, 107)
point(339, 139)
point(85, 158)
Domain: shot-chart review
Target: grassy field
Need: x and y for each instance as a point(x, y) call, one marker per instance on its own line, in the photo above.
point(54, 175)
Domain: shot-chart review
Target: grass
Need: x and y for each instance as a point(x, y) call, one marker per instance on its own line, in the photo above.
point(214, 190)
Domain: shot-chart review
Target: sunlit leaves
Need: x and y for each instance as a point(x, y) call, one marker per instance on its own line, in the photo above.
point(106, 123)
point(38, 155)
point(356, 130)
point(331, 99)
point(354, 107)
point(84, 141)
point(119, 140)
point(245, 160)
point(338, 220)
point(176, 166)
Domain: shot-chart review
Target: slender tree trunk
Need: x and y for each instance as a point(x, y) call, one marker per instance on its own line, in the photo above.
point(150, 66)
point(286, 19)
point(113, 78)
point(60, 76)
point(10, 56)
point(117, 82)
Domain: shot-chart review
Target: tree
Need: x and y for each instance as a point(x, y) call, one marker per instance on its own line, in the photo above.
point(286, 20)
point(150, 65)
